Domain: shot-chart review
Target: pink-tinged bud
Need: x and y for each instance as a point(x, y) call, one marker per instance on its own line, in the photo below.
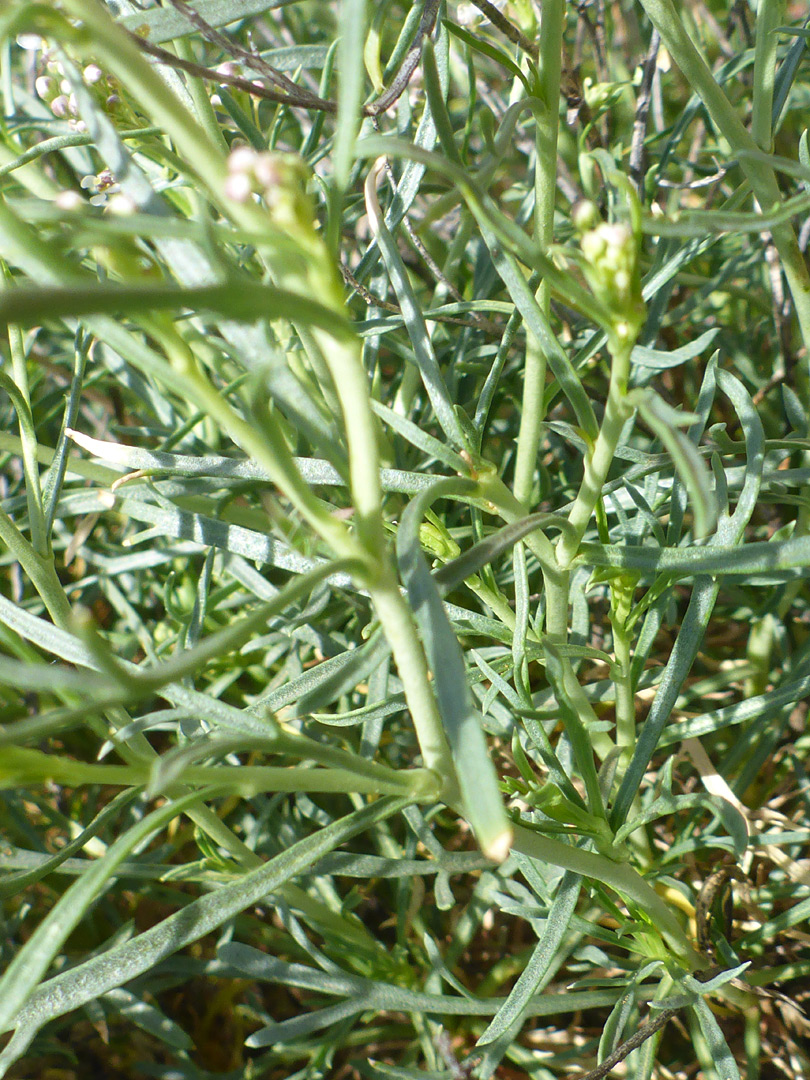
point(121, 204)
point(60, 107)
point(238, 187)
point(229, 68)
point(44, 87)
point(267, 169)
point(241, 160)
point(69, 200)
point(92, 74)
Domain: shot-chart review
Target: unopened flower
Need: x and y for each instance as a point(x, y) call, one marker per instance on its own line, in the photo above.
point(69, 200)
point(241, 159)
point(230, 68)
point(60, 107)
point(30, 42)
point(121, 204)
point(611, 267)
point(238, 186)
point(44, 86)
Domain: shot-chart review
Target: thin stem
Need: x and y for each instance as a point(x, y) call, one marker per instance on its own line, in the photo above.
point(397, 622)
point(202, 102)
point(21, 399)
point(625, 695)
point(267, 447)
point(770, 16)
point(598, 462)
point(546, 119)
point(35, 767)
point(40, 571)
point(250, 780)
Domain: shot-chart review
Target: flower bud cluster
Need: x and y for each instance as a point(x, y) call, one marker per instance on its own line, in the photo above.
point(56, 91)
point(611, 267)
point(279, 178)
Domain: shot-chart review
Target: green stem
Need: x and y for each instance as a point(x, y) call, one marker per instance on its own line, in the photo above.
point(17, 390)
point(250, 780)
point(625, 695)
point(598, 462)
point(199, 95)
point(40, 571)
point(546, 119)
point(770, 16)
point(26, 767)
point(267, 447)
point(555, 580)
point(398, 624)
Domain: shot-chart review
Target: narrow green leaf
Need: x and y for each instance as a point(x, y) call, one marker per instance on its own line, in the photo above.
point(243, 299)
point(666, 805)
point(486, 48)
point(353, 17)
point(436, 98)
point(491, 547)
point(663, 361)
point(665, 422)
point(507, 1021)
point(424, 354)
point(122, 963)
point(478, 782)
point(420, 438)
point(721, 1056)
point(166, 24)
point(35, 957)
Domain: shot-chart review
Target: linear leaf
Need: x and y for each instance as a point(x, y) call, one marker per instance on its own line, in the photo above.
point(665, 422)
point(478, 781)
point(122, 963)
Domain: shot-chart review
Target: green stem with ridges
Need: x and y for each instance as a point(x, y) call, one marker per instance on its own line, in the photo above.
point(546, 118)
point(598, 462)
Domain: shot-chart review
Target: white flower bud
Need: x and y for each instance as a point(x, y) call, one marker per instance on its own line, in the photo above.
point(60, 107)
point(266, 169)
point(242, 159)
point(121, 204)
point(92, 74)
point(69, 200)
point(44, 87)
point(30, 42)
point(238, 187)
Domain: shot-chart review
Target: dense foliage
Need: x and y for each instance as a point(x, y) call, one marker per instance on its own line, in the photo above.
point(404, 539)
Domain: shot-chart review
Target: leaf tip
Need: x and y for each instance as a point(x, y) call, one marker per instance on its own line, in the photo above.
point(499, 846)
